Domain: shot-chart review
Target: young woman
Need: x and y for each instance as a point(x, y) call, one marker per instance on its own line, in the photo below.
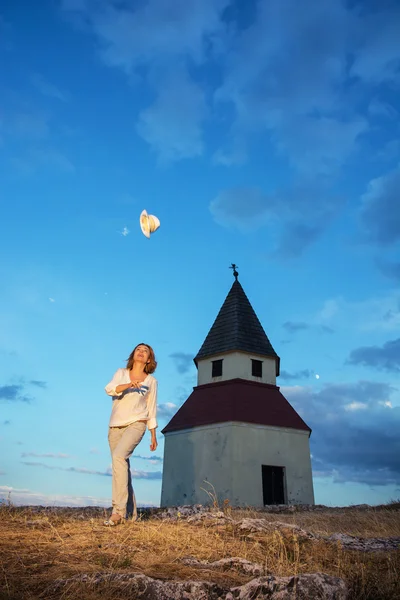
point(134, 394)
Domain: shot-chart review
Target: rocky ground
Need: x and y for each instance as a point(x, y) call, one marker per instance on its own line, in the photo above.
point(197, 552)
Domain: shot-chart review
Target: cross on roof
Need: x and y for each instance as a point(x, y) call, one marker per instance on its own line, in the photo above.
point(234, 268)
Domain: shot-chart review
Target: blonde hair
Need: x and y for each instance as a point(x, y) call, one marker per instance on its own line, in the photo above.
point(151, 366)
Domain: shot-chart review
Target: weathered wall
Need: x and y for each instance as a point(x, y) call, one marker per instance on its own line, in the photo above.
point(256, 445)
point(192, 457)
point(230, 456)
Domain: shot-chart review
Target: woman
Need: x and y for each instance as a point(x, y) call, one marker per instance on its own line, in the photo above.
point(134, 393)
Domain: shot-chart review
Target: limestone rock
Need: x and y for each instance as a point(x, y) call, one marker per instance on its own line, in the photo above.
point(240, 564)
point(350, 542)
point(318, 586)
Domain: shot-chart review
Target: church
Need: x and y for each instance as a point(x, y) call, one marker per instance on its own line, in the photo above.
point(236, 431)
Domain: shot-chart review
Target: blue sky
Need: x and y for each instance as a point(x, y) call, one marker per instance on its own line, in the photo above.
point(259, 133)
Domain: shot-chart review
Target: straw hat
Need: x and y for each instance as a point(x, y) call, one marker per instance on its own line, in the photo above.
point(148, 223)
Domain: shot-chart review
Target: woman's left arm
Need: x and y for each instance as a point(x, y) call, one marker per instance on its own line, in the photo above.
point(152, 408)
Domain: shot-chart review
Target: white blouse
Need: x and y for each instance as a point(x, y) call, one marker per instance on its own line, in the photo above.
point(135, 404)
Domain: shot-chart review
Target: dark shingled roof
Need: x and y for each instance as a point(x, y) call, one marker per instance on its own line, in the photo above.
point(237, 328)
point(237, 400)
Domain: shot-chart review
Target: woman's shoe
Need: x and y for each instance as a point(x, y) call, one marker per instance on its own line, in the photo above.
point(112, 522)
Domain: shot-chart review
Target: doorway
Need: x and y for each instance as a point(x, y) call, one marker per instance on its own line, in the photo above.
point(273, 485)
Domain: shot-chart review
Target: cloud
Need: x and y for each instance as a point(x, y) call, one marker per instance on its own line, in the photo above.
point(31, 125)
point(172, 125)
point(381, 109)
point(39, 384)
point(26, 497)
point(386, 357)
point(378, 313)
point(293, 327)
point(183, 361)
point(19, 496)
point(390, 269)
point(131, 37)
point(84, 471)
point(48, 89)
point(304, 374)
point(36, 159)
point(244, 208)
point(152, 459)
point(286, 73)
point(166, 410)
point(45, 455)
point(377, 57)
point(155, 42)
point(380, 215)
point(354, 430)
point(14, 393)
point(282, 211)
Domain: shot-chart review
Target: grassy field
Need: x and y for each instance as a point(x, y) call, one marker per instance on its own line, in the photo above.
point(40, 546)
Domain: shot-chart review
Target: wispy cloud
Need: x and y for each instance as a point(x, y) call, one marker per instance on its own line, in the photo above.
point(45, 455)
point(386, 357)
point(38, 383)
point(183, 361)
point(20, 496)
point(166, 410)
point(389, 269)
point(26, 497)
point(48, 89)
point(84, 471)
point(172, 125)
point(379, 214)
point(152, 459)
point(304, 374)
point(14, 393)
point(293, 327)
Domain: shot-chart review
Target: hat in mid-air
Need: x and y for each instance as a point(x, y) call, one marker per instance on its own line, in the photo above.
point(148, 223)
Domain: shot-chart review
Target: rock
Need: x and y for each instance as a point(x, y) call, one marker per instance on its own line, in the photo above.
point(217, 517)
point(261, 525)
point(139, 586)
point(350, 542)
point(240, 564)
point(178, 512)
point(316, 586)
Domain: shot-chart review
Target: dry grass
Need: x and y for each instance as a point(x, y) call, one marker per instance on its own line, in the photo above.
point(39, 547)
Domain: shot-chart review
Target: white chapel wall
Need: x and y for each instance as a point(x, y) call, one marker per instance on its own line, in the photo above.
point(192, 457)
point(257, 445)
point(236, 364)
point(230, 457)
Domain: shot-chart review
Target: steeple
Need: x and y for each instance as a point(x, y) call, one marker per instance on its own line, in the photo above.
point(237, 329)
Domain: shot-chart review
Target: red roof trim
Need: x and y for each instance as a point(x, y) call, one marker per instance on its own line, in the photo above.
point(238, 400)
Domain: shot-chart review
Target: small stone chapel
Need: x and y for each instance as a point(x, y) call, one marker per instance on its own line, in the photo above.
point(237, 431)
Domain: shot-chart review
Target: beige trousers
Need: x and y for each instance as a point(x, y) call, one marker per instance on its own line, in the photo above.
point(123, 441)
